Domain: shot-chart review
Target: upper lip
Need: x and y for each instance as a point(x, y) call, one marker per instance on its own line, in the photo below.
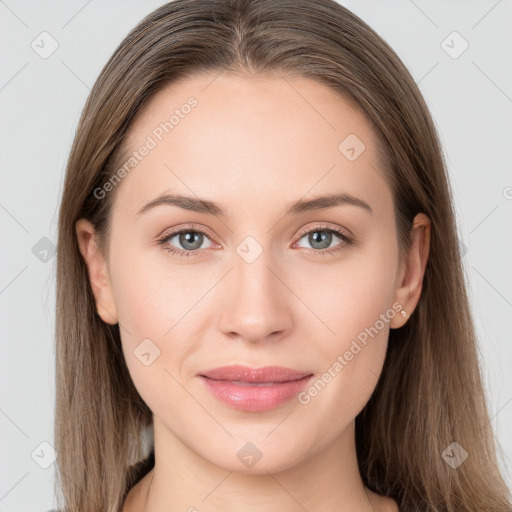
point(248, 374)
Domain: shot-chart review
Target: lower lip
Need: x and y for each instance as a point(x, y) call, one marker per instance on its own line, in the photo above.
point(255, 398)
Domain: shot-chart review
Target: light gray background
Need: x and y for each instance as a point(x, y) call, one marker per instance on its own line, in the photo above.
point(40, 101)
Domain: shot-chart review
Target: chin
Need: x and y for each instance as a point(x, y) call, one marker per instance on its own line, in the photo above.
point(257, 458)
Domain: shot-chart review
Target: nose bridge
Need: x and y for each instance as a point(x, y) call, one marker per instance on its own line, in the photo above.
point(256, 304)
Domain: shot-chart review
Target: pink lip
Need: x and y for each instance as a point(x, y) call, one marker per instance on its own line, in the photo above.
point(254, 389)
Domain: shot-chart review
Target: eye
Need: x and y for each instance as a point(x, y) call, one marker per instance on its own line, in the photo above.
point(189, 238)
point(321, 237)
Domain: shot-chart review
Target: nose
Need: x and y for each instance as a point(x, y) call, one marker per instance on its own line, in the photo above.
point(257, 304)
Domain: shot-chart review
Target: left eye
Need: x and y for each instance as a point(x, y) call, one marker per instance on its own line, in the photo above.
point(322, 238)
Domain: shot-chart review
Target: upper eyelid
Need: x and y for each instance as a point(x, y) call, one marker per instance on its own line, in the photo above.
point(177, 231)
point(324, 227)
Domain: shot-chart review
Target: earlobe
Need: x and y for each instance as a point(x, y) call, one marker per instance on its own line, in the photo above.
point(408, 292)
point(97, 270)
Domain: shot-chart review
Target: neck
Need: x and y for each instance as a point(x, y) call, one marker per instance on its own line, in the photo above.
point(328, 480)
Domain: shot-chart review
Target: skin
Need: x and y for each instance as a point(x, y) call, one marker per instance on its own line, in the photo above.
point(254, 145)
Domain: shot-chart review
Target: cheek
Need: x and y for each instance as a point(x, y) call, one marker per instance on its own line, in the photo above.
point(147, 305)
point(353, 300)
point(152, 292)
point(158, 304)
point(153, 314)
point(348, 294)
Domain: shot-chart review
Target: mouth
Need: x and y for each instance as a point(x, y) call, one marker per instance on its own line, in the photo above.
point(266, 374)
point(244, 383)
point(254, 389)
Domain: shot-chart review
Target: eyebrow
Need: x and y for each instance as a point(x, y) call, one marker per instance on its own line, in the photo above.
point(295, 208)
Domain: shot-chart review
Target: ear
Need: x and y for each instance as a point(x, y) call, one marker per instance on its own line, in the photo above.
point(98, 271)
point(410, 279)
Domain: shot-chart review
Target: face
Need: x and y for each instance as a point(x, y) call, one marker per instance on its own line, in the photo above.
point(250, 280)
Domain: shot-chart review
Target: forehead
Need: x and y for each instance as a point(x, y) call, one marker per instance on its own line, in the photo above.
point(240, 138)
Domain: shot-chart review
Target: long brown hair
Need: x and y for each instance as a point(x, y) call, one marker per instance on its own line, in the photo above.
point(430, 392)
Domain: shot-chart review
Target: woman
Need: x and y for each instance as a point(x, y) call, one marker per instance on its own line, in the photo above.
point(261, 304)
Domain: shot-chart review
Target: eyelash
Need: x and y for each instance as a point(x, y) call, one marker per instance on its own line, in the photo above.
point(191, 229)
